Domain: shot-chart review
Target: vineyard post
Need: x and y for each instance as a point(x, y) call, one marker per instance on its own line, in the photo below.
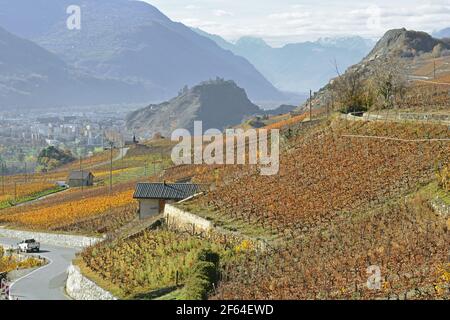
point(328, 109)
point(368, 115)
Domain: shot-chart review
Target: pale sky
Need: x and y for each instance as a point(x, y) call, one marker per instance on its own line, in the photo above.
point(284, 21)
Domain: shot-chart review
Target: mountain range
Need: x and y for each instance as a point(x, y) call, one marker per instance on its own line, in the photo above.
point(298, 67)
point(130, 44)
point(444, 33)
point(33, 76)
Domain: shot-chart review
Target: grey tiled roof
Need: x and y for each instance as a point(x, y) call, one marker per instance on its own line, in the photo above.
point(79, 175)
point(168, 191)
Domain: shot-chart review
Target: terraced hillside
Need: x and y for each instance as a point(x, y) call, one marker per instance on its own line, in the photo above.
point(90, 210)
point(349, 195)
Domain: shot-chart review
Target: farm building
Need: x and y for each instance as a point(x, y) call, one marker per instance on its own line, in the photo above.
point(80, 178)
point(153, 197)
point(131, 143)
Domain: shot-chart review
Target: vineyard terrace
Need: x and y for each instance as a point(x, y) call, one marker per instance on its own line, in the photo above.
point(209, 147)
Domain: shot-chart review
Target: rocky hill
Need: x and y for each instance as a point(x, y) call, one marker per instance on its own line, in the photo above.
point(398, 45)
point(218, 103)
point(405, 44)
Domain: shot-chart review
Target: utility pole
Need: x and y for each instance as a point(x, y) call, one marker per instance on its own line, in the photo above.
point(15, 191)
point(434, 70)
point(310, 105)
point(122, 146)
point(81, 171)
point(3, 177)
point(111, 169)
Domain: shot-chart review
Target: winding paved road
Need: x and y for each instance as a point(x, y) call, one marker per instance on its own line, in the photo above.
point(47, 282)
point(122, 153)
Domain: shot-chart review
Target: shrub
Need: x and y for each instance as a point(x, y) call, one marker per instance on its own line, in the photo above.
point(203, 277)
point(443, 176)
point(351, 92)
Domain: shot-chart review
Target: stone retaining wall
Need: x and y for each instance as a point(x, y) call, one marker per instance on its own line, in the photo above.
point(79, 287)
point(54, 239)
point(185, 221)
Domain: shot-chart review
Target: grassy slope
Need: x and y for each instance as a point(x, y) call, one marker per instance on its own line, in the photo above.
point(8, 204)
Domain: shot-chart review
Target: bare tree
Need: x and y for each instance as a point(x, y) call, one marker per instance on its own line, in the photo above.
point(388, 80)
point(350, 92)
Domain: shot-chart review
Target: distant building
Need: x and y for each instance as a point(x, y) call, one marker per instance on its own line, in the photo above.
point(80, 178)
point(96, 141)
point(52, 142)
point(153, 197)
point(131, 143)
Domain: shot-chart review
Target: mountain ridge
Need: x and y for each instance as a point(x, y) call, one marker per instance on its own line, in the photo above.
point(297, 67)
point(441, 34)
point(31, 76)
point(134, 41)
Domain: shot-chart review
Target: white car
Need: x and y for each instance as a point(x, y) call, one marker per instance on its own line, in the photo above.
point(29, 245)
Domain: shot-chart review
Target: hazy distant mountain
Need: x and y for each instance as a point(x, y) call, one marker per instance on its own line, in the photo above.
point(133, 41)
point(282, 109)
point(217, 103)
point(32, 76)
point(298, 67)
point(444, 33)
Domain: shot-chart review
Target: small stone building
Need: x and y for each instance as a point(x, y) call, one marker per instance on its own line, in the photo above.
point(80, 178)
point(153, 197)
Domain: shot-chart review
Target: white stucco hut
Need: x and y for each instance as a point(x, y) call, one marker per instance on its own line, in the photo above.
point(153, 197)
